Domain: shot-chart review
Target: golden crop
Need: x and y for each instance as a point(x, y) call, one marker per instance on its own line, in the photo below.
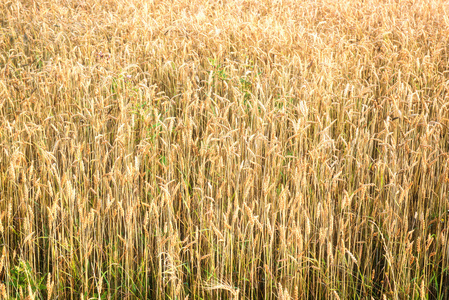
point(233, 149)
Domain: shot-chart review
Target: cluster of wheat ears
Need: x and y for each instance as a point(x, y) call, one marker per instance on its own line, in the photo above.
point(234, 149)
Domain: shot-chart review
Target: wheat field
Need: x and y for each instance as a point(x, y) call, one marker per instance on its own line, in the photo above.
point(233, 149)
